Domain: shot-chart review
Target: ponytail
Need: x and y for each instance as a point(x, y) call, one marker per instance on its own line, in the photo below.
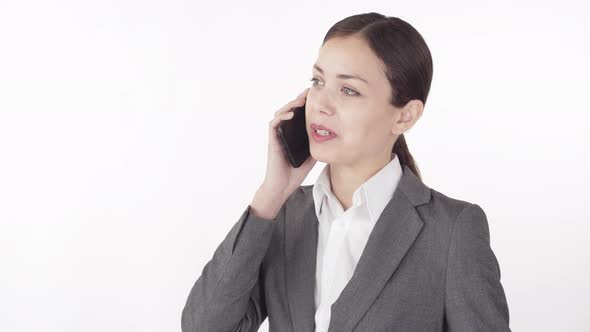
point(400, 148)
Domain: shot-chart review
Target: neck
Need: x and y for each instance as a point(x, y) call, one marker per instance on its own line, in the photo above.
point(346, 179)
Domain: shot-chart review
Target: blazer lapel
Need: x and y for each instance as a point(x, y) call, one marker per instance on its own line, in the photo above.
point(394, 233)
point(300, 258)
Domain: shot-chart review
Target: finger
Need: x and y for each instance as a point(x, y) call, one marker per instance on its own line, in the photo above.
point(303, 93)
point(274, 122)
point(290, 105)
point(285, 116)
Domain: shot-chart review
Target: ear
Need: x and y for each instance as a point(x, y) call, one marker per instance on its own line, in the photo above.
point(408, 115)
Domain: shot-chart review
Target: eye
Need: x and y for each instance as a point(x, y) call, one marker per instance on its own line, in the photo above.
point(352, 94)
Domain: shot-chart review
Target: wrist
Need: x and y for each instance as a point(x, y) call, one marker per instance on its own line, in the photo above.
point(266, 204)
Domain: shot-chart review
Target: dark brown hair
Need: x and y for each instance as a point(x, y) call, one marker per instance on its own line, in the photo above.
point(406, 57)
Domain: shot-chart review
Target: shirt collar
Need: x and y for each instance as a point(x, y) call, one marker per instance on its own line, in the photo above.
point(374, 194)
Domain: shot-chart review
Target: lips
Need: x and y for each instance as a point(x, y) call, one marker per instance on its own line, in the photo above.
point(315, 126)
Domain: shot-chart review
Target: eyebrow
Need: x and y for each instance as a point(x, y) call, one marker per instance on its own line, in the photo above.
point(343, 76)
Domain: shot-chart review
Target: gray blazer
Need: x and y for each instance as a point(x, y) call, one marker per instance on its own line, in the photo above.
point(427, 266)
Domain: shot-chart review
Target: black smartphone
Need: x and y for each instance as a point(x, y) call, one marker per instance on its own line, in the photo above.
point(294, 137)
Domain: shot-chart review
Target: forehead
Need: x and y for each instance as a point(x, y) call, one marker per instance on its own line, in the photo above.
point(351, 56)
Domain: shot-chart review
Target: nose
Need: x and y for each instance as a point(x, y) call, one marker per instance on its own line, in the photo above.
point(321, 102)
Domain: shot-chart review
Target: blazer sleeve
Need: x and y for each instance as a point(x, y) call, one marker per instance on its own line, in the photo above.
point(229, 295)
point(474, 298)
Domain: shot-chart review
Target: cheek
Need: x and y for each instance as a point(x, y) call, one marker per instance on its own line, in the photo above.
point(366, 132)
point(356, 135)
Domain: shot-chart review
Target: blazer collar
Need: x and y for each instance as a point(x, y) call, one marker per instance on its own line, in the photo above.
point(393, 234)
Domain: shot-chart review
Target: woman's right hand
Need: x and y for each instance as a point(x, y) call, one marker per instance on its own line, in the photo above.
point(282, 179)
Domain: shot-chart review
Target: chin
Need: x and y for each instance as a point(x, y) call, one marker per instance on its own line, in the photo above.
point(320, 154)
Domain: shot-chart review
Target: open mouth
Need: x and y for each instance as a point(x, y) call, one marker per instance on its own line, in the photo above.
point(322, 135)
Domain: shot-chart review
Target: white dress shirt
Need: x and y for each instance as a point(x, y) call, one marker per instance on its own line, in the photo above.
point(342, 235)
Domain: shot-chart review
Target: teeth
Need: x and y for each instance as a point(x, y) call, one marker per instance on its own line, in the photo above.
point(322, 132)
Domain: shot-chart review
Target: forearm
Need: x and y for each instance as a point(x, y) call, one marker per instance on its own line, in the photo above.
point(227, 294)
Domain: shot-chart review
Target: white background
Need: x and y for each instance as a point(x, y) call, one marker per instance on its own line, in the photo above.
point(134, 133)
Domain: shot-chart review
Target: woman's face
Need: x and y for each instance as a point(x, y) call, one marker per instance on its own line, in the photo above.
point(358, 111)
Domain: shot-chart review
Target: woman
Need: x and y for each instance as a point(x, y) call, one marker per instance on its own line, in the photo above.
point(368, 247)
